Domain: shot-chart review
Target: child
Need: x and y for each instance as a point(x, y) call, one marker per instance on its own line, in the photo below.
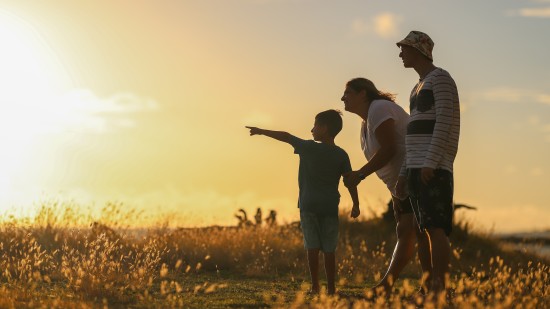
point(321, 166)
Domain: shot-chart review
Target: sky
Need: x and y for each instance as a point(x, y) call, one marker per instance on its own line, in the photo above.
point(144, 103)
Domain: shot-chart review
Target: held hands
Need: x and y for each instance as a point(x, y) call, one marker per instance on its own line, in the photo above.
point(355, 212)
point(254, 130)
point(352, 179)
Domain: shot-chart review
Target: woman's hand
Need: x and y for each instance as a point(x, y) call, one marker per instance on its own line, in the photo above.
point(352, 179)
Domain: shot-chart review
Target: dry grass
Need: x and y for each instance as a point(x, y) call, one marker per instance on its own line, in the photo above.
point(63, 259)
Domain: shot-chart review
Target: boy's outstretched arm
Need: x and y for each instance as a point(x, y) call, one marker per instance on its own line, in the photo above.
point(278, 135)
point(354, 197)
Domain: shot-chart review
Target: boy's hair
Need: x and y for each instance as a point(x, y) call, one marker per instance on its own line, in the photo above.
point(332, 119)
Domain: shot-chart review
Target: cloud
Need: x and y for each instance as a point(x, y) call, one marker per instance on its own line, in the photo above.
point(511, 169)
point(535, 12)
point(534, 120)
point(543, 98)
point(531, 12)
point(513, 95)
point(83, 110)
point(537, 123)
point(536, 171)
point(27, 119)
point(385, 25)
point(504, 94)
point(546, 130)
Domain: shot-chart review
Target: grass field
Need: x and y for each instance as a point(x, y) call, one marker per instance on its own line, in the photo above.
point(60, 259)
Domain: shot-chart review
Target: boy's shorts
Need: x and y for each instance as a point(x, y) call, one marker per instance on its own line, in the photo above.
point(320, 231)
point(432, 204)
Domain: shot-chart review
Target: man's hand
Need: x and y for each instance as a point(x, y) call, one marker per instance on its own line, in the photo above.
point(426, 174)
point(355, 212)
point(352, 179)
point(254, 130)
point(401, 187)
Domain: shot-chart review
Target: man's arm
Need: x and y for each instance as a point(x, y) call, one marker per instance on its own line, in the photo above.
point(278, 135)
point(386, 138)
point(443, 88)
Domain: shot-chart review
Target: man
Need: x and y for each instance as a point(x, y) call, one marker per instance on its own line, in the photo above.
point(431, 146)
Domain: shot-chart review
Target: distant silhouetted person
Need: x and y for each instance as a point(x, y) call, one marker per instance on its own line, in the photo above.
point(258, 217)
point(321, 167)
point(243, 219)
point(383, 133)
point(431, 144)
point(271, 219)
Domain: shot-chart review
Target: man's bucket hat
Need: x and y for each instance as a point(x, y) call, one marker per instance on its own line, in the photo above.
point(420, 41)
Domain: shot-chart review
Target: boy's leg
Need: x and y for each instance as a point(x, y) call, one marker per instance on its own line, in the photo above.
point(313, 262)
point(312, 243)
point(330, 270)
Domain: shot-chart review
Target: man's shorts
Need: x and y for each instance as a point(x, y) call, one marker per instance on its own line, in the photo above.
point(432, 204)
point(320, 231)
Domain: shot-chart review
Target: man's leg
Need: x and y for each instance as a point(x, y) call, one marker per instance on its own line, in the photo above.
point(330, 270)
point(441, 255)
point(438, 208)
point(313, 262)
point(425, 257)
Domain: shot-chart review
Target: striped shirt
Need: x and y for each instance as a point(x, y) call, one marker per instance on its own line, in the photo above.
point(434, 123)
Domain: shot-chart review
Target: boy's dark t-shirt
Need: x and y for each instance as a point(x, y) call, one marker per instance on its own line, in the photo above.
point(321, 166)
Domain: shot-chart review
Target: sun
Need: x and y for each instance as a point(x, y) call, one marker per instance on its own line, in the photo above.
point(31, 79)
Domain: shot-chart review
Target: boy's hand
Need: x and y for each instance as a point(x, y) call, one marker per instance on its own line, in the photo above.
point(254, 130)
point(355, 212)
point(352, 179)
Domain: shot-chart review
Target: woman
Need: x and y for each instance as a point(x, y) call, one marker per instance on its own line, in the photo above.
point(383, 142)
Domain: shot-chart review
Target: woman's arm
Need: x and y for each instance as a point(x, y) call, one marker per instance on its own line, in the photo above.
point(385, 135)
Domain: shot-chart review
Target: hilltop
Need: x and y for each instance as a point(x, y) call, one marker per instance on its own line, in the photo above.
point(47, 262)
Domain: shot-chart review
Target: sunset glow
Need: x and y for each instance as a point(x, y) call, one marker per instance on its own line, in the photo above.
point(146, 102)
